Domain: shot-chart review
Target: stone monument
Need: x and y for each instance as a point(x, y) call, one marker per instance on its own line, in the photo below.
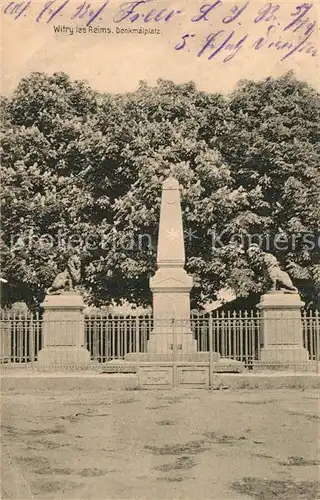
point(171, 340)
point(171, 284)
point(63, 321)
point(281, 326)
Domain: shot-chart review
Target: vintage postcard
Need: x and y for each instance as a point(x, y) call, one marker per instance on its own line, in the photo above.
point(160, 250)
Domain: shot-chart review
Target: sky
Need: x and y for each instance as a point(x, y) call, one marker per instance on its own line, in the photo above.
point(241, 33)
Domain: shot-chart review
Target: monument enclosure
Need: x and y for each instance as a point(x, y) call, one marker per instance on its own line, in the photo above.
point(171, 352)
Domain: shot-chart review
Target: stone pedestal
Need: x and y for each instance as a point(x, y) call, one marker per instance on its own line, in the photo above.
point(63, 331)
point(281, 329)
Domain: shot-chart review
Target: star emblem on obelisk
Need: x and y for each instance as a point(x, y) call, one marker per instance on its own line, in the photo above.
point(173, 234)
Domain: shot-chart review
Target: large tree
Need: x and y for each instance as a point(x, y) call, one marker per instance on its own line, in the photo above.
point(42, 194)
point(272, 143)
point(79, 163)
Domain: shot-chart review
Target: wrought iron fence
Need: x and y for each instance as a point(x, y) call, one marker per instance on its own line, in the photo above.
point(112, 337)
point(233, 334)
point(311, 333)
point(20, 336)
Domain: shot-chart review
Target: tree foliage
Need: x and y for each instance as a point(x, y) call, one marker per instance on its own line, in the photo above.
point(83, 172)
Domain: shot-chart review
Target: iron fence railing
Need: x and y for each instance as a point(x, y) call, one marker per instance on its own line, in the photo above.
point(112, 337)
point(311, 333)
point(233, 334)
point(20, 336)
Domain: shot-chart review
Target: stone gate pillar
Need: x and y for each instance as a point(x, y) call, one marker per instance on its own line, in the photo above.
point(63, 331)
point(281, 329)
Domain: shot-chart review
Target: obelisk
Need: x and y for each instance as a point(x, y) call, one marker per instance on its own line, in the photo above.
point(171, 284)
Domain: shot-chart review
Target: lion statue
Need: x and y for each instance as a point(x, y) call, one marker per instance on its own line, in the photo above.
point(67, 279)
point(280, 279)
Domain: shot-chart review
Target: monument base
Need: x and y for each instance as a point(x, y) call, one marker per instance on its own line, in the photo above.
point(156, 357)
point(184, 375)
point(63, 356)
point(145, 366)
point(165, 343)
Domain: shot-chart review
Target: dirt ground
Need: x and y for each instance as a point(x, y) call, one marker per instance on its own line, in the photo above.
point(134, 444)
